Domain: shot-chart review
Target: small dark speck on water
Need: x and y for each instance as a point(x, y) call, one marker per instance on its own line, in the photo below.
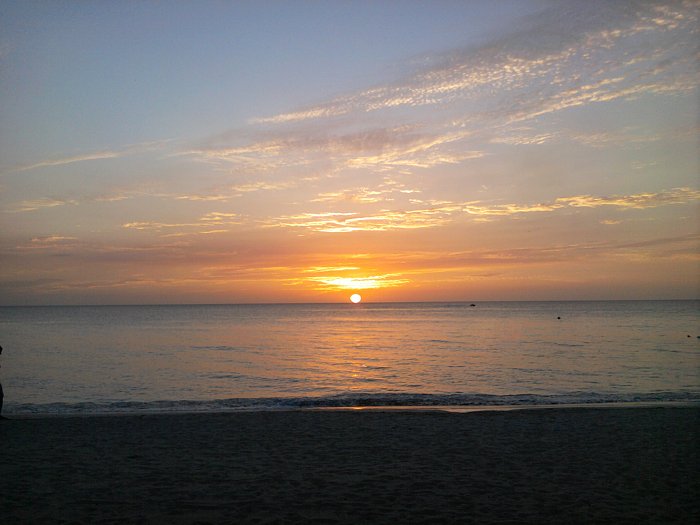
point(558, 317)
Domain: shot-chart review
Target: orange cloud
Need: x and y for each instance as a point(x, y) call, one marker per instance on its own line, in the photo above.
point(637, 201)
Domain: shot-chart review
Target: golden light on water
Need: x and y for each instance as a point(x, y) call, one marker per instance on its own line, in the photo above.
point(356, 298)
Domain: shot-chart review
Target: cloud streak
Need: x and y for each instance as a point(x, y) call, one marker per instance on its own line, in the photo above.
point(99, 155)
point(553, 55)
point(95, 155)
point(375, 148)
point(637, 201)
point(444, 212)
point(208, 221)
point(39, 204)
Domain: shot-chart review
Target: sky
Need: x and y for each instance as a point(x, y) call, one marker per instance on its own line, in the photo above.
point(302, 151)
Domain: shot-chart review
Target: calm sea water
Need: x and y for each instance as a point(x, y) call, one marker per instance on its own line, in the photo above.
point(136, 358)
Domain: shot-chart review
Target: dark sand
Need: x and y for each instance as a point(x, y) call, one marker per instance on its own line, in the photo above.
point(531, 466)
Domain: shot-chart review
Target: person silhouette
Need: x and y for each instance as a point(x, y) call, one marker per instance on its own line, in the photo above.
point(1, 394)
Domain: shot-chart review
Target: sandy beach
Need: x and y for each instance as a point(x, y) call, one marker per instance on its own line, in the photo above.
point(528, 466)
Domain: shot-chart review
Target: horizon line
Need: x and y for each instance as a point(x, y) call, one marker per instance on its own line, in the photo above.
point(355, 305)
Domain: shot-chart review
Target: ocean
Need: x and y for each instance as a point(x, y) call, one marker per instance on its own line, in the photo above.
point(113, 359)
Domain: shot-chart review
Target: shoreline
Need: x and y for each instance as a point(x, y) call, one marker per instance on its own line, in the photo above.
point(460, 409)
point(573, 465)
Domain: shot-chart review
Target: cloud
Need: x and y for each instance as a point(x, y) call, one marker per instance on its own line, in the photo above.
point(427, 214)
point(365, 270)
point(231, 192)
point(358, 195)
point(524, 137)
point(379, 148)
point(52, 239)
point(114, 198)
point(264, 186)
point(312, 221)
point(320, 278)
point(312, 113)
point(443, 212)
point(95, 155)
point(571, 55)
point(38, 204)
point(356, 283)
point(63, 285)
point(425, 153)
point(626, 137)
point(99, 155)
point(636, 201)
point(204, 198)
point(329, 269)
point(501, 210)
point(414, 263)
point(345, 222)
point(50, 202)
point(547, 56)
point(387, 191)
point(49, 243)
point(206, 221)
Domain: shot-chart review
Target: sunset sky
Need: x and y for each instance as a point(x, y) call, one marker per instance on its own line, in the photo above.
point(300, 151)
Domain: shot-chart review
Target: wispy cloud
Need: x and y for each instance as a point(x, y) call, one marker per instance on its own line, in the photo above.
point(319, 278)
point(114, 197)
point(365, 271)
point(207, 221)
point(552, 55)
point(264, 186)
point(201, 197)
point(99, 155)
point(380, 148)
point(387, 191)
point(356, 283)
point(503, 210)
point(637, 201)
point(421, 265)
point(359, 195)
point(449, 111)
point(625, 138)
point(38, 204)
point(52, 202)
point(425, 153)
point(93, 251)
point(524, 137)
point(444, 212)
point(345, 222)
point(94, 155)
point(50, 241)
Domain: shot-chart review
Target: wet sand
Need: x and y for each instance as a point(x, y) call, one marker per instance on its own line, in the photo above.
point(532, 466)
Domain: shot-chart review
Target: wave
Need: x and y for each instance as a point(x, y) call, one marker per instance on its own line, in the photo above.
point(352, 400)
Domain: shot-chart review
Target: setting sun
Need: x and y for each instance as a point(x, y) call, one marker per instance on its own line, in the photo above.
point(356, 298)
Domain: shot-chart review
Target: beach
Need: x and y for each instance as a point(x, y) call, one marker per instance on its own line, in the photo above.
point(583, 465)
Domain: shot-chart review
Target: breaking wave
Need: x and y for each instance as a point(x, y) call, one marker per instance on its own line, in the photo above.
point(339, 401)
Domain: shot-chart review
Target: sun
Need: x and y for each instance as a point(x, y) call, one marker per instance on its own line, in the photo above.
point(356, 298)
